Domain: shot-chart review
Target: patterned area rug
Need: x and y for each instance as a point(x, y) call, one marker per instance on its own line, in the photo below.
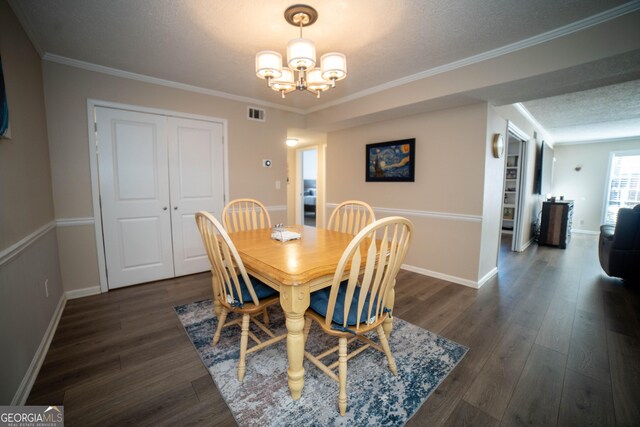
point(374, 396)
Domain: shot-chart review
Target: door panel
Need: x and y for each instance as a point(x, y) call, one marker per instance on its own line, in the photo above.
point(197, 183)
point(134, 191)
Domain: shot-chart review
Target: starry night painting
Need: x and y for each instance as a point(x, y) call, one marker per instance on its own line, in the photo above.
point(391, 161)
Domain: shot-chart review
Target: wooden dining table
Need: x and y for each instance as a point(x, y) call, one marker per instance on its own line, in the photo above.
point(295, 269)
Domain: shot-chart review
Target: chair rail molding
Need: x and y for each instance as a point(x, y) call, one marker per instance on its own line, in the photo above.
point(277, 208)
point(420, 213)
point(74, 222)
point(9, 253)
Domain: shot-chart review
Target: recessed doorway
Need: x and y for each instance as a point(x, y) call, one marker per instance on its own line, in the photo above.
point(308, 183)
point(514, 189)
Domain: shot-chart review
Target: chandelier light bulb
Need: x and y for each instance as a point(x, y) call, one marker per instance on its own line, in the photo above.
point(334, 66)
point(315, 82)
point(285, 81)
point(268, 64)
point(301, 54)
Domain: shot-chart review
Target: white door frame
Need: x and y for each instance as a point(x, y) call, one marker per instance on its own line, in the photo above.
point(518, 226)
point(93, 164)
point(300, 184)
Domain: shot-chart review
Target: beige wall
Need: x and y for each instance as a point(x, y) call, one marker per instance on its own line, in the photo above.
point(493, 197)
point(67, 90)
point(25, 175)
point(586, 187)
point(26, 206)
point(451, 148)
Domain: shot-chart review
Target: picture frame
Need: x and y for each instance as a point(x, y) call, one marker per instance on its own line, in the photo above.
point(391, 161)
point(5, 126)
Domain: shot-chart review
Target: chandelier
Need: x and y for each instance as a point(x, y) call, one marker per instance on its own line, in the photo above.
point(301, 73)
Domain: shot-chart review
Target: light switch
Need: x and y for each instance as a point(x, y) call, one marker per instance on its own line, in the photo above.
point(277, 185)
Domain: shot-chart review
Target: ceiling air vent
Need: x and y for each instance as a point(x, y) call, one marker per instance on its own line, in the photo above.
point(254, 113)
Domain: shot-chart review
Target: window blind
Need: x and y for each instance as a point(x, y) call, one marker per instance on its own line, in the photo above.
point(624, 185)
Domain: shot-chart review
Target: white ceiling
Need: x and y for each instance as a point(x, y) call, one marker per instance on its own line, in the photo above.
point(212, 43)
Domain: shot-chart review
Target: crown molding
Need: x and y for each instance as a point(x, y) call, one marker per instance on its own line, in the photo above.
point(635, 138)
point(162, 82)
point(536, 124)
point(591, 21)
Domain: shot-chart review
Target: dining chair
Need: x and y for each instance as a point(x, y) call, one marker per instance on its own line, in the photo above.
point(236, 291)
point(352, 307)
point(351, 217)
point(245, 214)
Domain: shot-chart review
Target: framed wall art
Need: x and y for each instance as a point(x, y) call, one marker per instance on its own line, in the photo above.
point(5, 129)
point(391, 161)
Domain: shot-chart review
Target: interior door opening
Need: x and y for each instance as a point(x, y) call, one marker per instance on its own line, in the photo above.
point(308, 184)
point(514, 189)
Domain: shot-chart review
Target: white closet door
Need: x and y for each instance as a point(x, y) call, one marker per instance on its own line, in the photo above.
point(134, 189)
point(197, 183)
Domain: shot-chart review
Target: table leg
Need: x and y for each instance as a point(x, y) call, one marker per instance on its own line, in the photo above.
point(295, 301)
point(387, 324)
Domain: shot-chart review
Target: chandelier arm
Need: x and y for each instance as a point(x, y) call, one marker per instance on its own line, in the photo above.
point(315, 92)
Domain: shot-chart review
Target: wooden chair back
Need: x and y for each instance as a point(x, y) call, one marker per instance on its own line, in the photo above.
point(245, 214)
point(226, 264)
point(378, 251)
point(351, 217)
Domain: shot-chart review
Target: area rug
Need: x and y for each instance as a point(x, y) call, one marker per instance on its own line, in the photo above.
point(375, 397)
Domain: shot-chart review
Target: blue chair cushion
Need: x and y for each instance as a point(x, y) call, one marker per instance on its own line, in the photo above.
point(260, 288)
point(320, 302)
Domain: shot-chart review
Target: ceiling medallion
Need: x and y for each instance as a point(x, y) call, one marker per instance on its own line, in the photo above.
point(301, 72)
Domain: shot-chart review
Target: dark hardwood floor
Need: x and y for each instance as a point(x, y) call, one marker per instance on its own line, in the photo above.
point(553, 341)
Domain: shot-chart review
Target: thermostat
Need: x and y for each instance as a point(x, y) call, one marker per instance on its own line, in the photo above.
point(266, 163)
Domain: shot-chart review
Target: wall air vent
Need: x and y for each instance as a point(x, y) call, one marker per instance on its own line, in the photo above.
point(254, 113)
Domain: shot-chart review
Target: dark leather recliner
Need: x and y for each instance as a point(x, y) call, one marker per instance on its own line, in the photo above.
point(619, 247)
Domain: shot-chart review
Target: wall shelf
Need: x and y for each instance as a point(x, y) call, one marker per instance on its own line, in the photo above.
point(511, 175)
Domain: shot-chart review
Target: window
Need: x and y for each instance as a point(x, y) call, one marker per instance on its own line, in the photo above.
point(624, 184)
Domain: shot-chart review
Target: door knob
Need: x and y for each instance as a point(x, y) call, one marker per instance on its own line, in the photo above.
point(164, 208)
point(175, 208)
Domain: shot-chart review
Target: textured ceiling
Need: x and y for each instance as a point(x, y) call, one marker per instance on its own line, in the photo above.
point(606, 112)
point(212, 43)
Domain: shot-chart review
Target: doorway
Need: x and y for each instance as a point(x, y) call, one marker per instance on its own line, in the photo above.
point(514, 187)
point(308, 183)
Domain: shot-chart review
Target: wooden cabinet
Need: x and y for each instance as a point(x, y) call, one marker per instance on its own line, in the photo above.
point(555, 229)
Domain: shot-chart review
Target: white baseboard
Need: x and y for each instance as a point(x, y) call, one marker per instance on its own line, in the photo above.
point(591, 232)
point(526, 245)
point(489, 275)
point(36, 363)
point(437, 275)
point(84, 292)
